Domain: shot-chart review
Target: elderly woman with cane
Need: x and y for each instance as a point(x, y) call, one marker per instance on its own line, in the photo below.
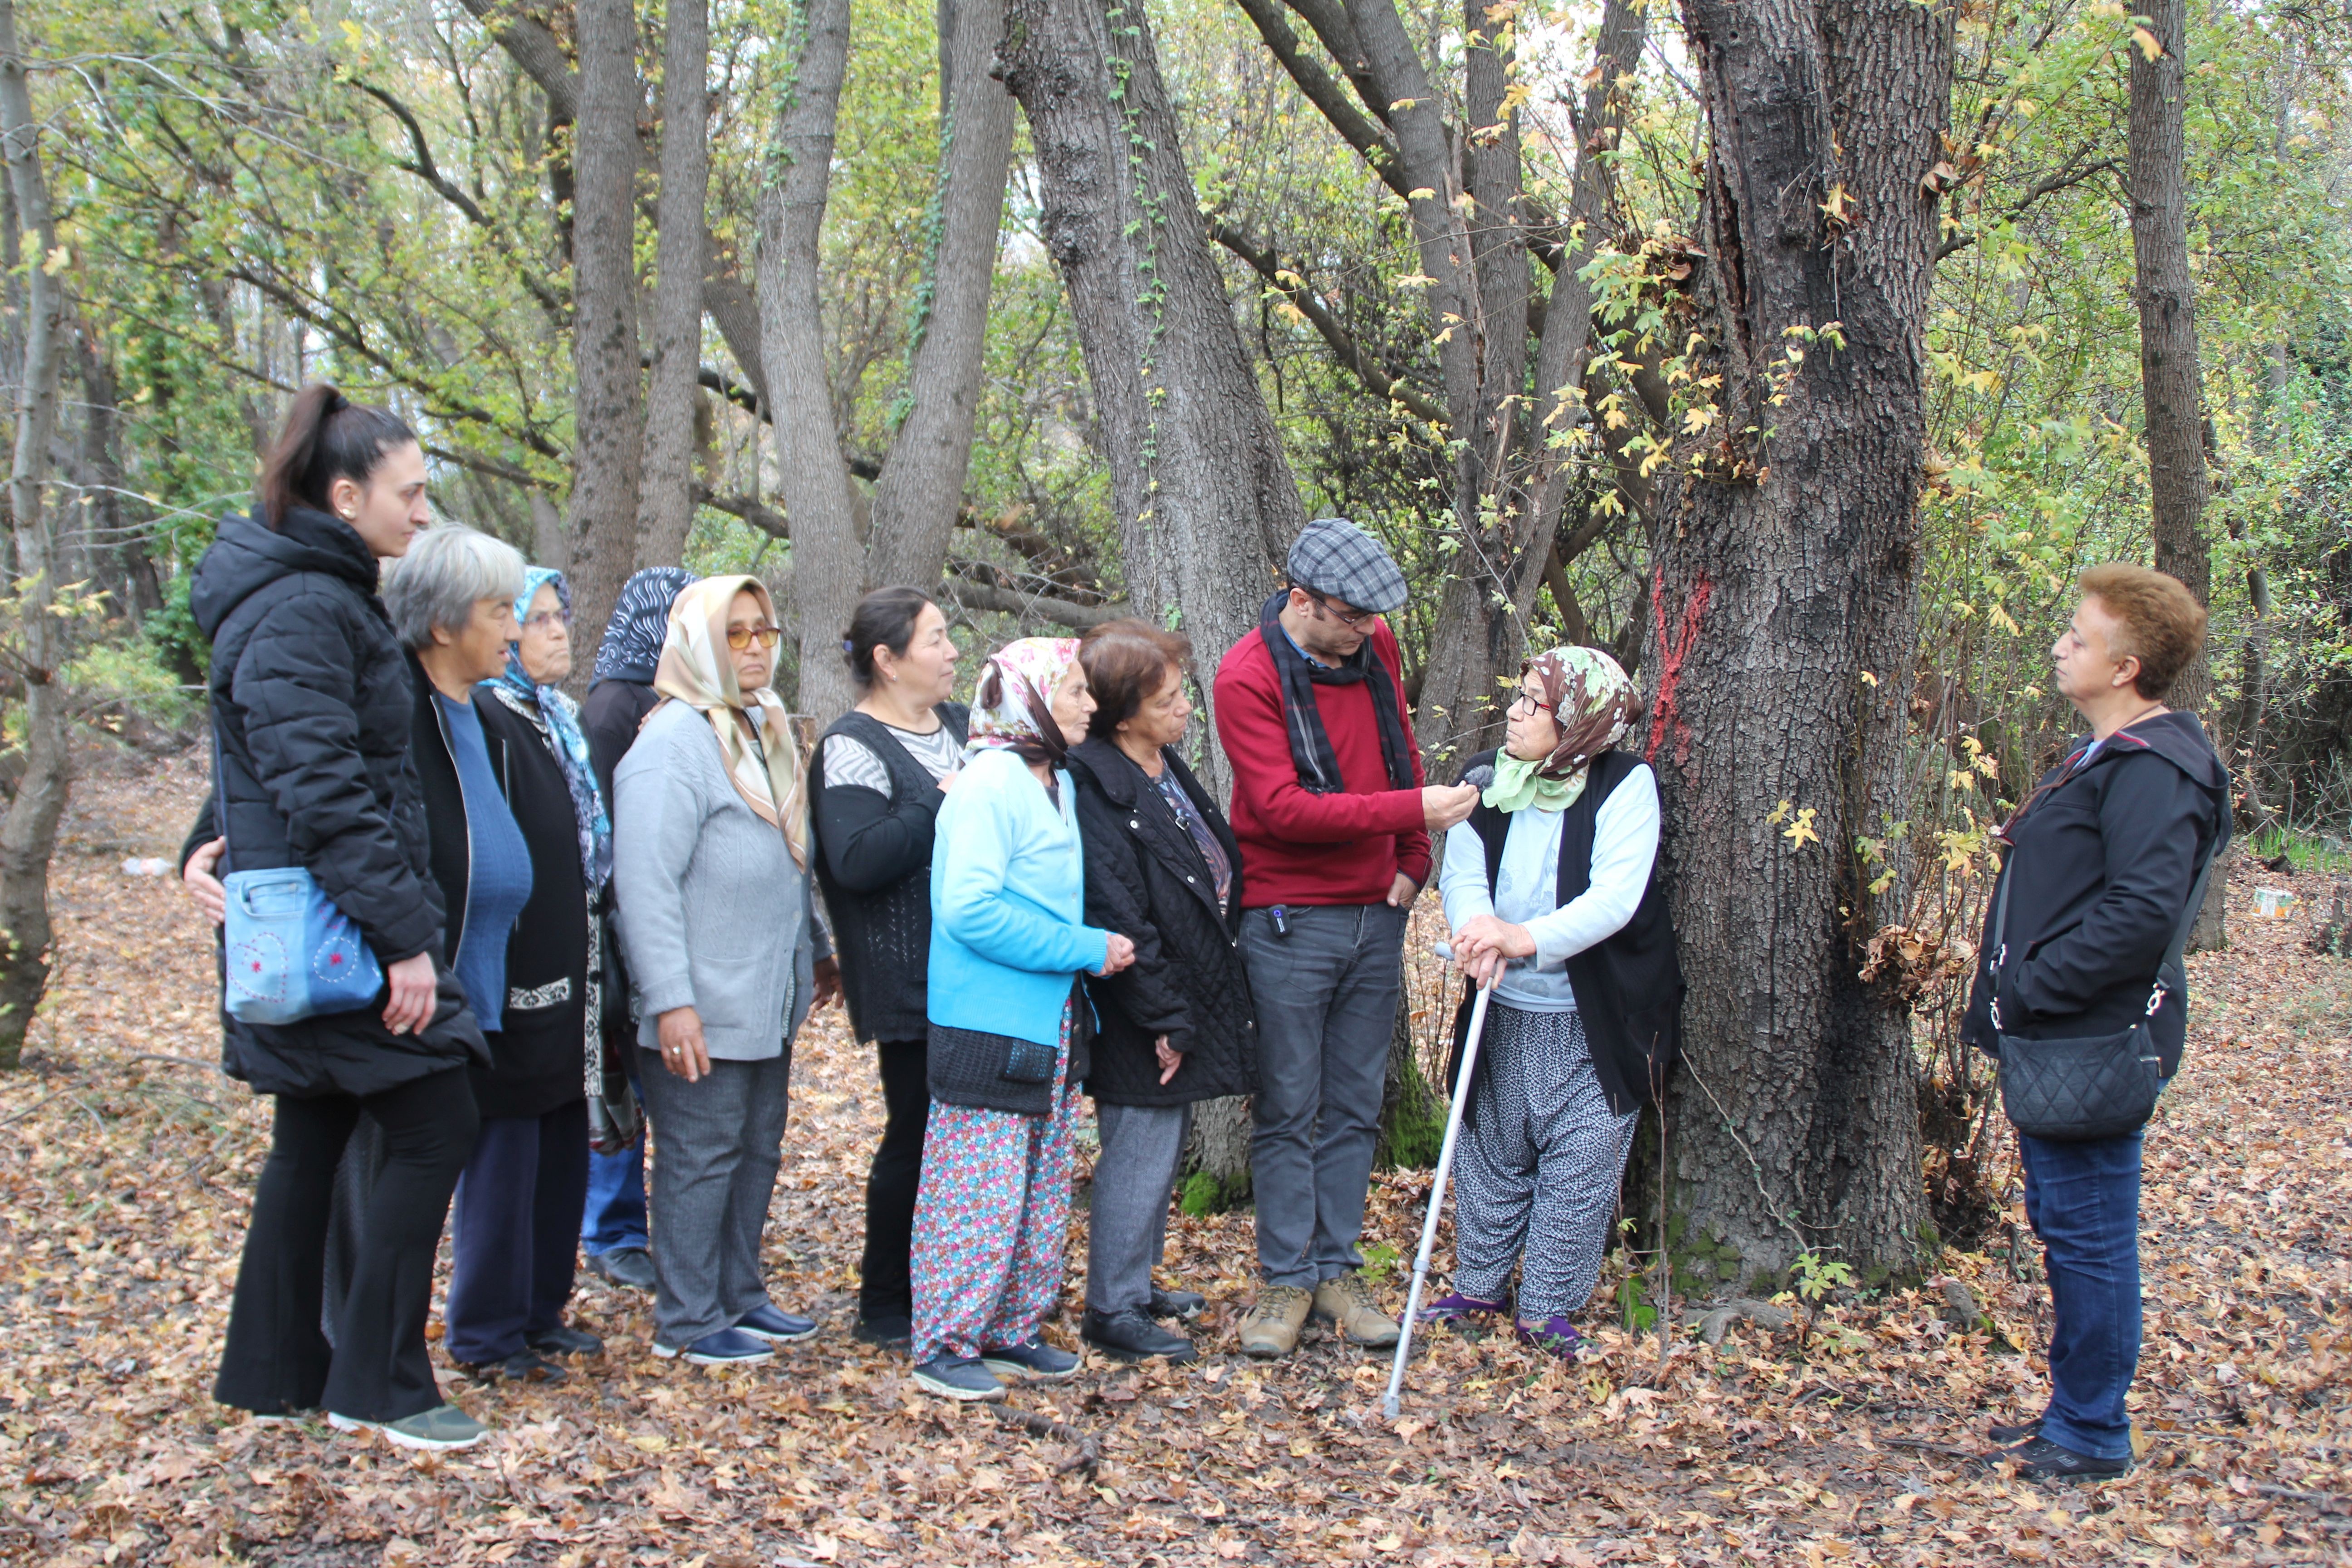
point(1553, 895)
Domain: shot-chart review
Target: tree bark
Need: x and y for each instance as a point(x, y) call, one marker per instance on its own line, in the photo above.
point(1785, 573)
point(608, 423)
point(666, 507)
point(29, 835)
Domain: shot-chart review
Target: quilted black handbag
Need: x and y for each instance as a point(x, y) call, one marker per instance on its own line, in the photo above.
point(2073, 1091)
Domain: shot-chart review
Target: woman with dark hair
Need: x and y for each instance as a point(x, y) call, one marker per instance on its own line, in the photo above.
point(883, 772)
point(311, 712)
point(1009, 940)
point(1177, 1026)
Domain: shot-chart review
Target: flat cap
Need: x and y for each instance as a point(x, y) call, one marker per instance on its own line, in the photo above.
point(1335, 557)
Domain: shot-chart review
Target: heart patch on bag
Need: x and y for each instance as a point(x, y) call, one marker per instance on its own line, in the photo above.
point(337, 960)
point(256, 967)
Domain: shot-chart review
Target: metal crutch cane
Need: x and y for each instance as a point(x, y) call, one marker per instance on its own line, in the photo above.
point(1437, 1188)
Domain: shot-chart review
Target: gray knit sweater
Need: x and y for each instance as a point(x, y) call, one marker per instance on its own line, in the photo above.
point(713, 913)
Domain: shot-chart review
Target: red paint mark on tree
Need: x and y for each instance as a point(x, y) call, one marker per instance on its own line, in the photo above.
point(1671, 651)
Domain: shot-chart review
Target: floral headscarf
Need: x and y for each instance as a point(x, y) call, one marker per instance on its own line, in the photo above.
point(1024, 675)
point(1594, 700)
point(560, 717)
point(762, 757)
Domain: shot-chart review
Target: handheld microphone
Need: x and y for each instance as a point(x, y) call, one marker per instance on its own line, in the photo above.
point(1482, 775)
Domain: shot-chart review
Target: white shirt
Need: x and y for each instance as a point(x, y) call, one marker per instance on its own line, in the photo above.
point(1624, 844)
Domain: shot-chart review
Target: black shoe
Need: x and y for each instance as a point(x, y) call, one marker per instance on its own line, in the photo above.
point(629, 1266)
point(523, 1366)
point(2006, 1433)
point(892, 1331)
point(1183, 1304)
point(560, 1341)
point(1127, 1335)
point(2040, 1460)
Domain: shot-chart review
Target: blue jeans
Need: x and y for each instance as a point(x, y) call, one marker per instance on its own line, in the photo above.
point(2083, 1202)
point(614, 1219)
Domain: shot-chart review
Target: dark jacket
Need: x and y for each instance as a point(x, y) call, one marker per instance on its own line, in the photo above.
point(615, 712)
point(873, 862)
point(1147, 880)
point(1628, 988)
point(312, 709)
point(2101, 865)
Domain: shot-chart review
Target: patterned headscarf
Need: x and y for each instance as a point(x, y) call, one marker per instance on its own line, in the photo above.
point(762, 757)
point(633, 637)
point(561, 718)
point(1015, 711)
point(1594, 703)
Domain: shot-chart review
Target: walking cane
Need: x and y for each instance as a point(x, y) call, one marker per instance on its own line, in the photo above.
point(1437, 1189)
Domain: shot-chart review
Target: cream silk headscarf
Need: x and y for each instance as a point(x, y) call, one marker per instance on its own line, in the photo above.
point(697, 669)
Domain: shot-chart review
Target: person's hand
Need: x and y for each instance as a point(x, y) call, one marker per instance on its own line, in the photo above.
point(1170, 1060)
point(1443, 805)
point(202, 886)
point(1484, 945)
point(828, 982)
point(682, 1049)
point(1119, 953)
point(1402, 891)
point(410, 1007)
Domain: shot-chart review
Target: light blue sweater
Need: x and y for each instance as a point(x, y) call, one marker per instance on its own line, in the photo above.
point(1008, 898)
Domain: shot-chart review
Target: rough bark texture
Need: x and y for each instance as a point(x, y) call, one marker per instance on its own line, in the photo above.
point(1785, 574)
point(608, 423)
point(921, 488)
point(666, 508)
point(29, 833)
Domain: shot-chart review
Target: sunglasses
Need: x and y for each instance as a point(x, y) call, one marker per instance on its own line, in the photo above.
point(1351, 619)
point(740, 637)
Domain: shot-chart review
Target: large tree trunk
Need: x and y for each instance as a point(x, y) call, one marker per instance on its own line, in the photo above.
point(666, 508)
point(922, 488)
point(1784, 618)
point(29, 835)
point(608, 425)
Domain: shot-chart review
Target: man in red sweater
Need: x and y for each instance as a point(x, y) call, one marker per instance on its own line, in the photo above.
point(1334, 819)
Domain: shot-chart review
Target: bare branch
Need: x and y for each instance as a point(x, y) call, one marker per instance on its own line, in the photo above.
point(1342, 342)
point(1356, 128)
point(2050, 186)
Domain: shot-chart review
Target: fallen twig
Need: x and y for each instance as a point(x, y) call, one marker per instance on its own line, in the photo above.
point(2328, 1503)
point(183, 1061)
point(1926, 1447)
point(1087, 1454)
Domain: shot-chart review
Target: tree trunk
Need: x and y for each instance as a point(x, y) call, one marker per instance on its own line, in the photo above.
point(608, 423)
point(1205, 502)
point(666, 508)
point(828, 560)
point(921, 488)
point(1785, 567)
point(29, 835)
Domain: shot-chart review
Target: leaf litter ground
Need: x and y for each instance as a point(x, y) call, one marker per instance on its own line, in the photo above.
point(126, 1163)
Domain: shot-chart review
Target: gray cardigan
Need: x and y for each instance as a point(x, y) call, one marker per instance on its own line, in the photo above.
point(713, 913)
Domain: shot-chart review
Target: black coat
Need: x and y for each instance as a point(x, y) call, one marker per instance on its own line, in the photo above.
point(312, 709)
point(1146, 880)
point(615, 710)
point(2101, 865)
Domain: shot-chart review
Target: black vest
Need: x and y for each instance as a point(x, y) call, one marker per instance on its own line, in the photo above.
point(884, 937)
point(1628, 988)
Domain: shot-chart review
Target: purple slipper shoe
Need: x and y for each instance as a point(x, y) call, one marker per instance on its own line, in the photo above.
point(1453, 1307)
point(1557, 1335)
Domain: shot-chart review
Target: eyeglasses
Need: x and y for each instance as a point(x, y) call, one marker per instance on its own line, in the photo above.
point(1531, 704)
point(548, 620)
point(739, 637)
point(1351, 619)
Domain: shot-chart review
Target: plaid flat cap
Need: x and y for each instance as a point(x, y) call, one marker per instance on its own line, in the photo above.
point(1335, 557)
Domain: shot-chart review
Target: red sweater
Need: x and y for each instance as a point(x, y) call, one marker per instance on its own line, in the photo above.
point(1303, 848)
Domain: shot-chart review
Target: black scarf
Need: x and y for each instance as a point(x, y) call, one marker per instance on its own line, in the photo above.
point(1310, 745)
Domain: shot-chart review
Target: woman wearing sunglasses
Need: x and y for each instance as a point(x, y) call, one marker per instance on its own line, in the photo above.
point(726, 955)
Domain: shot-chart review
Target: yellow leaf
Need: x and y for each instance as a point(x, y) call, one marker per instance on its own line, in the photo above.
point(1868, 678)
point(1697, 419)
point(1421, 194)
point(1801, 833)
point(2148, 44)
point(55, 261)
point(1779, 814)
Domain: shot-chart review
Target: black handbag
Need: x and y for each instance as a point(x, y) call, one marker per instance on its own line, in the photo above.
point(2073, 1091)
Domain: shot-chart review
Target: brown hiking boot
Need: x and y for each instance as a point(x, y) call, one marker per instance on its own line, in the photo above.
point(1344, 1302)
point(1272, 1324)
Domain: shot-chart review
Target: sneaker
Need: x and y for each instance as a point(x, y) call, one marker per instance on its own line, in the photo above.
point(560, 1341)
point(1272, 1324)
point(443, 1426)
point(631, 1266)
point(1555, 1335)
point(2041, 1459)
point(1455, 1307)
point(1346, 1302)
point(1183, 1304)
point(765, 1322)
point(892, 1331)
point(1130, 1335)
point(523, 1366)
point(1036, 1361)
point(2006, 1433)
point(958, 1377)
point(726, 1348)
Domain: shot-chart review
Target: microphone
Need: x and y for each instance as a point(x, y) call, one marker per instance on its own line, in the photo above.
point(1482, 775)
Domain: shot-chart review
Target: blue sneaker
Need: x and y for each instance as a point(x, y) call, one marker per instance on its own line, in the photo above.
point(725, 1348)
point(959, 1378)
point(765, 1322)
point(1036, 1361)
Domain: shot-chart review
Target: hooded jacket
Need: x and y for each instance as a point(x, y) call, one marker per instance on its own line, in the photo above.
point(2101, 867)
point(311, 708)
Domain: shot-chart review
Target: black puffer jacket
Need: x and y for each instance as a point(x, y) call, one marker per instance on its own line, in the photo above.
point(311, 706)
point(1146, 880)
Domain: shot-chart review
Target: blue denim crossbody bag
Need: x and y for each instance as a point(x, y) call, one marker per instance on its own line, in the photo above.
point(292, 954)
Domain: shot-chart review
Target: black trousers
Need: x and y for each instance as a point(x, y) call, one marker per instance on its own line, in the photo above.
point(277, 1358)
point(514, 1233)
point(886, 1285)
